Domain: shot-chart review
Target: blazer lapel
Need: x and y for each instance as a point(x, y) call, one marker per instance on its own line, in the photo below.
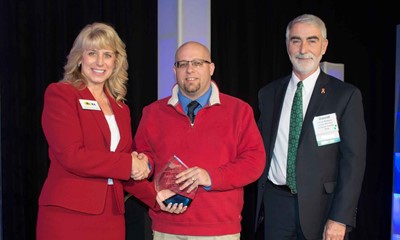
point(123, 121)
point(278, 103)
point(98, 116)
point(316, 102)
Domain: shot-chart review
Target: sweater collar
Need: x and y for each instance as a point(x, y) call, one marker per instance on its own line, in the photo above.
point(214, 98)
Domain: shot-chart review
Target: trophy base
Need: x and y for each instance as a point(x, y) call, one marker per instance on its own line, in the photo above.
point(177, 198)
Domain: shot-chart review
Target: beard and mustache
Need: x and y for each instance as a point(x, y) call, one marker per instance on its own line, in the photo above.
point(304, 63)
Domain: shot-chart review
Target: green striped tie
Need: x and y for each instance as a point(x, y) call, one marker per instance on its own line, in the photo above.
point(296, 122)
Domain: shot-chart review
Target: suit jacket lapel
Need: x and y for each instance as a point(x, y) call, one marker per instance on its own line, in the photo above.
point(123, 122)
point(98, 116)
point(278, 103)
point(316, 102)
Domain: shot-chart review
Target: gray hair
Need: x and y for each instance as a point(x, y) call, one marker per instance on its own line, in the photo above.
point(307, 18)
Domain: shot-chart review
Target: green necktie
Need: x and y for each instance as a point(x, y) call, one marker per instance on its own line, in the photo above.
point(296, 122)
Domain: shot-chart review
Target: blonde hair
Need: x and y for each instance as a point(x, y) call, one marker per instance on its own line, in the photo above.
point(101, 36)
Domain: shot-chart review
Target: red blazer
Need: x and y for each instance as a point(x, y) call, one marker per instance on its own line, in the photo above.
point(79, 151)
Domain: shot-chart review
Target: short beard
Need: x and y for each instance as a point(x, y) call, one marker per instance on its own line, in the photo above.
point(191, 88)
point(308, 67)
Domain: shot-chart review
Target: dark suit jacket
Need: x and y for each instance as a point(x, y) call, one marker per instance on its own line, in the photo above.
point(79, 151)
point(329, 177)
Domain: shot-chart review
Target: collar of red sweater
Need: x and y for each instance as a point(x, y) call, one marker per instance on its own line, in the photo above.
point(214, 98)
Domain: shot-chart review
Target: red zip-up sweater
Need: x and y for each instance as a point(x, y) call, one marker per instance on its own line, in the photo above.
point(224, 140)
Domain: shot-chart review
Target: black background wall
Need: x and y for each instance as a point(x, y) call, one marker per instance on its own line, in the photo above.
point(248, 49)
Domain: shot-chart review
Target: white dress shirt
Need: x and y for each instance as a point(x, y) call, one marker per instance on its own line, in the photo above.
point(115, 137)
point(277, 171)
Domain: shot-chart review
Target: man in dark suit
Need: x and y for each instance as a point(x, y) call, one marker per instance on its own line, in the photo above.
point(317, 196)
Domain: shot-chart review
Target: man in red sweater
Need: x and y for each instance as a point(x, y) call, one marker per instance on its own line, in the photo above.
point(222, 148)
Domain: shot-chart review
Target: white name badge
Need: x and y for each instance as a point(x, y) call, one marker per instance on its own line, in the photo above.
point(326, 129)
point(89, 104)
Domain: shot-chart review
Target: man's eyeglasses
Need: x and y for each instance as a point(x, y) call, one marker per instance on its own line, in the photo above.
point(195, 63)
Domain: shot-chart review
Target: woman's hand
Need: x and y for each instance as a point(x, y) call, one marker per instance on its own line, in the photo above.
point(140, 166)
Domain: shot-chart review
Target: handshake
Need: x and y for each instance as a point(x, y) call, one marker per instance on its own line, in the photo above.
point(140, 166)
point(166, 198)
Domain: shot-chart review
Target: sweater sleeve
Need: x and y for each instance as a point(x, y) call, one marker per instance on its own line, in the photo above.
point(144, 191)
point(249, 162)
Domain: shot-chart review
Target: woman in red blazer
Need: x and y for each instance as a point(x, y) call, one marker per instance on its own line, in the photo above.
point(88, 129)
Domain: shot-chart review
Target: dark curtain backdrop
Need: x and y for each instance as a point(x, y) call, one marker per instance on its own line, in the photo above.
point(249, 51)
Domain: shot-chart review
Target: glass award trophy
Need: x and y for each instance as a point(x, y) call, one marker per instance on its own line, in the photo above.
point(166, 178)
